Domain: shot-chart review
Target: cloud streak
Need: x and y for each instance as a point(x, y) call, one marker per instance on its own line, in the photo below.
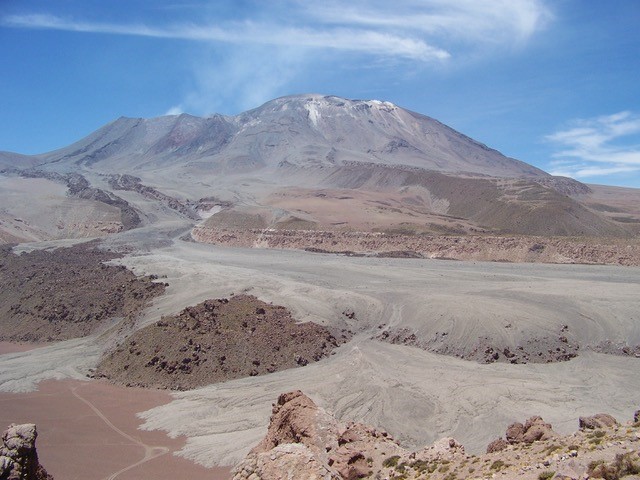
point(467, 21)
point(248, 32)
point(253, 53)
point(599, 146)
point(425, 30)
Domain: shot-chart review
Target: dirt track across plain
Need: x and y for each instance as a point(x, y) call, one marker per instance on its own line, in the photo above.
point(88, 431)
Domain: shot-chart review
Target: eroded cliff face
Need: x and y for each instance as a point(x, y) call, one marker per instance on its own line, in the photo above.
point(18, 455)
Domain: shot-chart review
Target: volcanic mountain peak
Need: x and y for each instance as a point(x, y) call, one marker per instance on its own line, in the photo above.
point(330, 105)
point(293, 161)
point(302, 130)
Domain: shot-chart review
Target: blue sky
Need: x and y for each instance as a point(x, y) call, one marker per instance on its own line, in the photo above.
point(553, 83)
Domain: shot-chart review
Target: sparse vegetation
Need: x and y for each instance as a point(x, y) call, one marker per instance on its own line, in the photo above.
point(420, 466)
point(553, 448)
point(401, 467)
point(391, 462)
point(623, 465)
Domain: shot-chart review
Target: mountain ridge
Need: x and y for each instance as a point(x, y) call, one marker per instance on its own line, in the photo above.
point(302, 129)
point(291, 163)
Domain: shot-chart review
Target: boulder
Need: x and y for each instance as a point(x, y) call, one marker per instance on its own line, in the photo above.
point(599, 420)
point(497, 445)
point(536, 429)
point(515, 433)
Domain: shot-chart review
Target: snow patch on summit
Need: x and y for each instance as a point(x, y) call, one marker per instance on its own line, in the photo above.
point(314, 113)
point(380, 103)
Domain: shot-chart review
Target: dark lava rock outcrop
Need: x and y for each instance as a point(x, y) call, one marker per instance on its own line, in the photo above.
point(215, 341)
point(18, 455)
point(536, 349)
point(65, 293)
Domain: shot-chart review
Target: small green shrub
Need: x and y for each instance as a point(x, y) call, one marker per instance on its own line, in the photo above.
point(553, 448)
point(391, 461)
point(420, 465)
point(546, 475)
point(401, 467)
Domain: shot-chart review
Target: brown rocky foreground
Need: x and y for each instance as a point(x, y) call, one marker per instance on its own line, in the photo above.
point(18, 455)
point(305, 441)
point(64, 293)
point(612, 251)
point(215, 341)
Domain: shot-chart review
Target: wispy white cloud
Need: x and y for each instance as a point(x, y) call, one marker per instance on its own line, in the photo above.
point(272, 43)
point(599, 146)
point(248, 76)
point(248, 32)
point(468, 21)
point(422, 30)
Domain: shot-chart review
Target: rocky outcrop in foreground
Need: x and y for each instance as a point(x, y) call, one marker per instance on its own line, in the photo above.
point(215, 341)
point(304, 441)
point(18, 456)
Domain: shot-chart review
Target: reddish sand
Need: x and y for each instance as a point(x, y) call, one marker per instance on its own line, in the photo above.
point(88, 430)
point(10, 347)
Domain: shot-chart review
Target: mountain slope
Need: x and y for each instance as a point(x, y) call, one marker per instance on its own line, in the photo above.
point(324, 162)
point(305, 130)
